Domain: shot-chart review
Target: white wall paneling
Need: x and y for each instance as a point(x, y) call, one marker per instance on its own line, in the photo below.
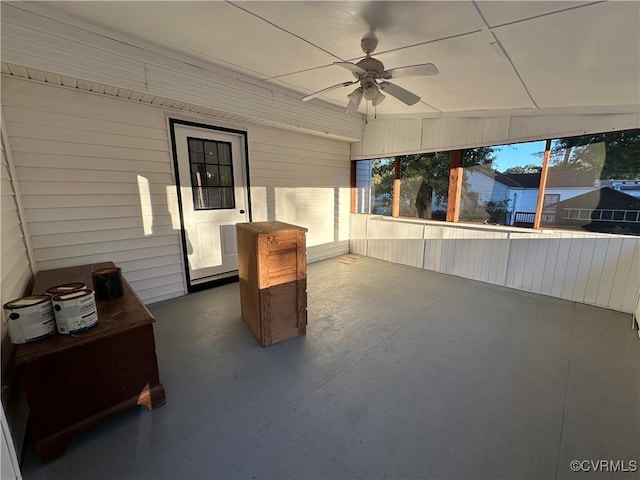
point(16, 275)
point(399, 136)
point(396, 242)
point(16, 267)
point(303, 180)
point(358, 234)
point(448, 132)
point(591, 268)
point(81, 159)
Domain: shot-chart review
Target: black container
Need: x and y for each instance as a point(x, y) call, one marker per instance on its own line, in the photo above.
point(107, 283)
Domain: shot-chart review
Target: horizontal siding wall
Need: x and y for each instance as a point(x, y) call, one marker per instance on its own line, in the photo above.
point(81, 160)
point(596, 269)
point(15, 282)
point(303, 180)
point(15, 271)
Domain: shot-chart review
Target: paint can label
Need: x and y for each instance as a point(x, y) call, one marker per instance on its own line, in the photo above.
point(29, 319)
point(75, 311)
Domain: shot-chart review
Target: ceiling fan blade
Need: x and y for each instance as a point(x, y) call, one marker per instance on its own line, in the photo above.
point(378, 100)
point(328, 89)
point(405, 96)
point(355, 98)
point(411, 71)
point(353, 68)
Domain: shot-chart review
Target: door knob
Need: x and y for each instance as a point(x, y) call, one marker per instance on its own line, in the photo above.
point(241, 211)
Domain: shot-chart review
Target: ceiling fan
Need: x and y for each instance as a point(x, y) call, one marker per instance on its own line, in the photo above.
point(372, 76)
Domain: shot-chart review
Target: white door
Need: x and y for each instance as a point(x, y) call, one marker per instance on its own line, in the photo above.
point(212, 171)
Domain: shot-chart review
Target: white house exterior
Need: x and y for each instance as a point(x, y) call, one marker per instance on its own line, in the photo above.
point(494, 186)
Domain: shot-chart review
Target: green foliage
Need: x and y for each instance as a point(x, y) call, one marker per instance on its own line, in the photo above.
point(426, 175)
point(470, 205)
point(423, 175)
point(382, 171)
point(607, 155)
point(497, 210)
point(478, 156)
point(439, 215)
point(529, 168)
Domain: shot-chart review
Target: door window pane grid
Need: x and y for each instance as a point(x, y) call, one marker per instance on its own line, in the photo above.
point(211, 174)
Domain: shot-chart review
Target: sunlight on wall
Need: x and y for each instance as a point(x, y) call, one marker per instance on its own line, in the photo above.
point(342, 211)
point(145, 205)
point(259, 207)
point(324, 211)
point(309, 207)
point(172, 206)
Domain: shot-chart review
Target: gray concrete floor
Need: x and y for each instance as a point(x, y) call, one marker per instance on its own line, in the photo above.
point(403, 373)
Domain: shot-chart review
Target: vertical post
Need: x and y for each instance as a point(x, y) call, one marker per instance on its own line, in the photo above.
point(395, 205)
point(455, 186)
point(354, 192)
point(543, 184)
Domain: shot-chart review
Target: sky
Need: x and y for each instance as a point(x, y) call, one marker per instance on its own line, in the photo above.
point(518, 154)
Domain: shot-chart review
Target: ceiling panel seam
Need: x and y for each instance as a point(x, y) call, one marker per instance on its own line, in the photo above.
point(547, 14)
point(285, 30)
point(505, 53)
point(419, 44)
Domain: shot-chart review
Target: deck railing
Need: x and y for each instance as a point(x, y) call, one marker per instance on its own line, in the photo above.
point(526, 218)
point(591, 214)
point(602, 215)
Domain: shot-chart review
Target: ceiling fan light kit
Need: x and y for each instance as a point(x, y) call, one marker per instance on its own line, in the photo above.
point(371, 75)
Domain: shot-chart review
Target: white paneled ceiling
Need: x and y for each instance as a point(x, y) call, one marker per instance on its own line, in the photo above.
point(491, 55)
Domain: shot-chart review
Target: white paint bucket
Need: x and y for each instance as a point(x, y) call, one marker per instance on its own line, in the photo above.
point(29, 318)
point(75, 311)
point(65, 288)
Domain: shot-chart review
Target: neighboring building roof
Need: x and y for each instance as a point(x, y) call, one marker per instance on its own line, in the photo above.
point(555, 179)
point(604, 198)
point(526, 180)
point(498, 177)
point(506, 180)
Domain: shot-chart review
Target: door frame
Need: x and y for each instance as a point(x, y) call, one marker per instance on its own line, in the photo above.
point(183, 236)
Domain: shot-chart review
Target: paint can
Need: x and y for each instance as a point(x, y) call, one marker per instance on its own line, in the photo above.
point(75, 311)
point(107, 282)
point(65, 288)
point(29, 318)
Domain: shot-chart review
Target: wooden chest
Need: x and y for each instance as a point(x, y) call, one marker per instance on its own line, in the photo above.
point(73, 382)
point(272, 266)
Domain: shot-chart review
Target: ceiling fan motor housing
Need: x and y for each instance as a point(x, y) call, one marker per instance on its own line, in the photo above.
point(372, 66)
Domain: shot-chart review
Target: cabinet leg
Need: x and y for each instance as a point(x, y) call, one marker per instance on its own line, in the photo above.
point(152, 397)
point(53, 448)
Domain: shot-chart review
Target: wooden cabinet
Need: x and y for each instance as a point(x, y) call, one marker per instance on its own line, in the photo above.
point(73, 382)
point(272, 266)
